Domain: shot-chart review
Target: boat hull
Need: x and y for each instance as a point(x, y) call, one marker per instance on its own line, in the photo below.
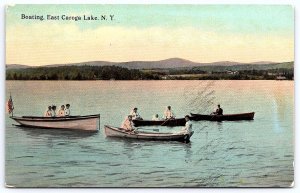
point(170, 122)
point(87, 123)
point(228, 117)
point(120, 133)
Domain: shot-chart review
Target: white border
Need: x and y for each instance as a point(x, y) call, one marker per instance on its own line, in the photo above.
point(296, 5)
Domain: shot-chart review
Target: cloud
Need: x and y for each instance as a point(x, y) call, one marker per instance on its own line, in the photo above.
point(46, 43)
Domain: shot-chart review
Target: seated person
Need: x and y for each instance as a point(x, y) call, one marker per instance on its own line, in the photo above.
point(127, 125)
point(61, 112)
point(135, 115)
point(53, 111)
point(67, 110)
point(155, 117)
point(219, 111)
point(169, 114)
point(48, 112)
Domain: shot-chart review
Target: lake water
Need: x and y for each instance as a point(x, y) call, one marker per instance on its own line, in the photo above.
point(256, 153)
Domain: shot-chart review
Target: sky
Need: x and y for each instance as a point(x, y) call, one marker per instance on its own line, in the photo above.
point(200, 33)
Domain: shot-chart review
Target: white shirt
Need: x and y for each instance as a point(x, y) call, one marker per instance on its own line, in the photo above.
point(135, 115)
point(169, 114)
point(188, 127)
point(67, 112)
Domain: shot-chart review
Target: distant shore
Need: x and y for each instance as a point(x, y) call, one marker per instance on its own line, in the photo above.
point(120, 73)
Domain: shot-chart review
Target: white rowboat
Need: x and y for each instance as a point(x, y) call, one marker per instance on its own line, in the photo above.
point(87, 122)
point(119, 132)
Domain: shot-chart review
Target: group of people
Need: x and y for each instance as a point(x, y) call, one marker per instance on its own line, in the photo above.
point(62, 112)
point(168, 114)
point(127, 124)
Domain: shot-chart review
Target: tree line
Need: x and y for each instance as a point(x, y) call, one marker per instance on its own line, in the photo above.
point(120, 73)
point(77, 73)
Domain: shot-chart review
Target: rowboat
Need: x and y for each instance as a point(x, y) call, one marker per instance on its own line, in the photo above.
point(228, 117)
point(86, 123)
point(121, 133)
point(168, 122)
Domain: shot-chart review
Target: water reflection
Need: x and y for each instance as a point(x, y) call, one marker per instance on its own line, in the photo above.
point(56, 133)
point(219, 154)
point(137, 142)
point(188, 152)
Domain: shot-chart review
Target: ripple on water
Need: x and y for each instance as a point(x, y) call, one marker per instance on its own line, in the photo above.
point(227, 154)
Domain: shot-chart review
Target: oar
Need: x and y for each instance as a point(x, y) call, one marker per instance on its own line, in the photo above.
point(213, 117)
point(165, 122)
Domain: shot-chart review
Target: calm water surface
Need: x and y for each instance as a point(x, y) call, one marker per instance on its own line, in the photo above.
point(257, 153)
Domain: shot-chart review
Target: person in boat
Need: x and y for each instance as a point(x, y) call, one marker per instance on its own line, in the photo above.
point(61, 112)
point(48, 112)
point(187, 129)
point(155, 117)
point(67, 110)
point(53, 111)
point(219, 111)
point(127, 124)
point(169, 114)
point(135, 115)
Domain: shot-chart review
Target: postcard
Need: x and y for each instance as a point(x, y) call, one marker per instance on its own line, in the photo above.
point(149, 96)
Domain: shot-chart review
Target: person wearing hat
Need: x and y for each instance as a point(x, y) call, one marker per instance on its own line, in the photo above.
point(67, 110)
point(48, 112)
point(169, 114)
point(135, 115)
point(61, 112)
point(127, 124)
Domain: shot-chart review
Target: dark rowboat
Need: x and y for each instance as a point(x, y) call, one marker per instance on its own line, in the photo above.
point(121, 133)
point(169, 122)
point(228, 117)
point(87, 122)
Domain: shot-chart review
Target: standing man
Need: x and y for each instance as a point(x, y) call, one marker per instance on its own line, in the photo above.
point(188, 125)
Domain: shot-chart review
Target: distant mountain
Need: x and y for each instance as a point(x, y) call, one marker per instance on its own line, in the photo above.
point(168, 63)
point(16, 66)
point(263, 62)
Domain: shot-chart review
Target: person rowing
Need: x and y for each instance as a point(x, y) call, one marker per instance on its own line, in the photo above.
point(127, 124)
point(169, 114)
point(219, 111)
